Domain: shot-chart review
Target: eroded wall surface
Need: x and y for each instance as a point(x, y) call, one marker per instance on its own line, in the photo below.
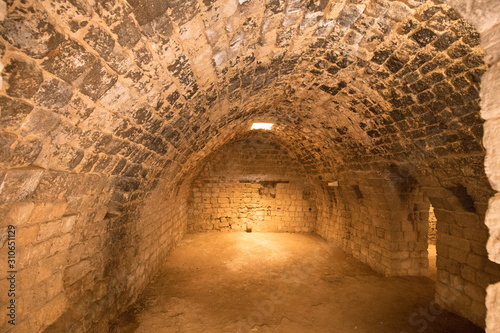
point(394, 239)
point(109, 107)
point(254, 184)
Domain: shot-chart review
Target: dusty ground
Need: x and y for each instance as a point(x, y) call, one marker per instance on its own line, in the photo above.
point(270, 282)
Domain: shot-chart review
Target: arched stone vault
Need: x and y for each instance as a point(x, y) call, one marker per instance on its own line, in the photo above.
point(109, 107)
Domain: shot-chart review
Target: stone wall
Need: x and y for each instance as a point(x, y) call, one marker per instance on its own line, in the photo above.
point(109, 107)
point(97, 262)
point(383, 221)
point(484, 15)
point(464, 271)
point(379, 222)
point(382, 218)
point(253, 184)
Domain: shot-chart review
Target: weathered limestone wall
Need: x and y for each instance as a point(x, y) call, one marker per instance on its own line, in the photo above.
point(76, 165)
point(383, 219)
point(108, 107)
point(464, 271)
point(379, 222)
point(485, 17)
point(253, 184)
point(84, 268)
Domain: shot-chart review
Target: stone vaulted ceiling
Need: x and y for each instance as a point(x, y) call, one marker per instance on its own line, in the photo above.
point(143, 88)
point(109, 108)
point(126, 92)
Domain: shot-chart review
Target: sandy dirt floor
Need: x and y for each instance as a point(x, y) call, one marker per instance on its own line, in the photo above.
point(272, 282)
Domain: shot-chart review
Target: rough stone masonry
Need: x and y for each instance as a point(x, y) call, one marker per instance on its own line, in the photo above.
point(253, 185)
point(111, 109)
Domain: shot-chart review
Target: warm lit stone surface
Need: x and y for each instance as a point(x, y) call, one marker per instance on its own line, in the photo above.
point(109, 109)
point(265, 282)
point(253, 184)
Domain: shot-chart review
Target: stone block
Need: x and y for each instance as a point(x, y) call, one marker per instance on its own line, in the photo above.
point(23, 78)
point(350, 14)
point(478, 235)
point(60, 244)
point(26, 277)
point(448, 265)
point(35, 36)
point(53, 93)
point(467, 220)
point(492, 268)
point(18, 214)
point(410, 236)
point(101, 41)
point(30, 254)
point(21, 153)
point(443, 277)
point(478, 262)
point(493, 302)
point(454, 242)
point(397, 236)
point(71, 15)
point(401, 255)
point(47, 211)
point(444, 216)
point(27, 235)
point(476, 293)
point(458, 255)
point(457, 231)
point(14, 111)
point(47, 230)
point(146, 11)
point(478, 312)
point(40, 122)
point(405, 265)
point(19, 184)
point(54, 285)
point(49, 313)
point(128, 34)
point(62, 62)
point(97, 81)
point(468, 273)
point(48, 267)
point(478, 248)
point(68, 223)
point(76, 272)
